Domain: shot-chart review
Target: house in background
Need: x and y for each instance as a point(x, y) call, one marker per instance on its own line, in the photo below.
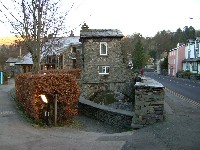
point(175, 58)
point(103, 66)
point(192, 56)
point(25, 64)
point(10, 66)
point(62, 53)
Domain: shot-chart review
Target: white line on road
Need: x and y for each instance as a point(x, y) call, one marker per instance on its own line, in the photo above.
point(184, 98)
point(7, 113)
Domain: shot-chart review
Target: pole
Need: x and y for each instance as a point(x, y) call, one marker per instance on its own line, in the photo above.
point(55, 110)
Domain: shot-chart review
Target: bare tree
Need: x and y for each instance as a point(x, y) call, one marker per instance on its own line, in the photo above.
point(37, 19)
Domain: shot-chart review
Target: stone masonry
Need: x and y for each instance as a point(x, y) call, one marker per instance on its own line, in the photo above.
point(118, 76)
point(149, 103)
point(111, 116)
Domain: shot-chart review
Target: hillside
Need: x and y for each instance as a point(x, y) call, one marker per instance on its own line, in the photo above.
point(7, 40)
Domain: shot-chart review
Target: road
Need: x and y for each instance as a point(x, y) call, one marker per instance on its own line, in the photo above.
point(180, 130)
point(185, 87)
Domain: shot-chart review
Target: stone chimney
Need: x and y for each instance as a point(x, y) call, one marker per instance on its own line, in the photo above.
point(71, 34)
point(84, 27)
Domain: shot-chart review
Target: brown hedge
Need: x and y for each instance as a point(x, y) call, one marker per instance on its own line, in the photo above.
point(74, 72)
point(29, 87)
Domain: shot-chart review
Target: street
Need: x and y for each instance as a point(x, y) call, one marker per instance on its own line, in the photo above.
point(185, 87)
point(180, 130)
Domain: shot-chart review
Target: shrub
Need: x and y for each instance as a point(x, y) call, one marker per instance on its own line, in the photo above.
point(29, 88)
point(184, 74)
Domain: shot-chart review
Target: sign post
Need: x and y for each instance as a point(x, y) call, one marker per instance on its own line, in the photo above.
point(1, 77)
point(55, 110)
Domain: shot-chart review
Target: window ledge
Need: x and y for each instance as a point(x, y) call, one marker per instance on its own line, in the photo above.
point(103, 73)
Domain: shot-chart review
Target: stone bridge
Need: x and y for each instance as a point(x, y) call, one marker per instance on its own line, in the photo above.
point(148, 107)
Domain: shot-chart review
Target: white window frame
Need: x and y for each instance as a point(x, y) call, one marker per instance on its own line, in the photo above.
point(104, 69)
point(12, 64)
point(106, 48)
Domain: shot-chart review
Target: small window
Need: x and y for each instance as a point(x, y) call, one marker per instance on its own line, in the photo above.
point(194, 66)
point(12, 64)
point(73, 50)
point(103, 48)
point(104, 69)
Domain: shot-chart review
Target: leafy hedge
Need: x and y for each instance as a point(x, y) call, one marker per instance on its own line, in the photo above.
point(74, 72)
point(29, 87)
point(184, 74)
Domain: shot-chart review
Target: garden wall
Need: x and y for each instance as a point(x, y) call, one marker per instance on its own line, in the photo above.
point(116, 117)
point(148, 108)
point(149, 103)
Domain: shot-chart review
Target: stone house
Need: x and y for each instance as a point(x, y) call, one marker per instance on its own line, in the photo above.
point(63, 53)
point(25, 64)
point(103, 66)
point(175, 58)
point(192, 56)
point(10, 66)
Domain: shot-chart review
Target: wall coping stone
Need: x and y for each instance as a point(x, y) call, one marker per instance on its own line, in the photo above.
point(104, 107)
point(100, 82)
point(148, 82)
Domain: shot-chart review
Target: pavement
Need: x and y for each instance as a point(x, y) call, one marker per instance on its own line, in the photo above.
point(180, 130)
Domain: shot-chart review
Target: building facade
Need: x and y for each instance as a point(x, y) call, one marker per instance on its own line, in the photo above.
point(103, 66)
point(175, 58)
point(192, 56)
point(10, 66)
point(25, 64)
point(63, 53)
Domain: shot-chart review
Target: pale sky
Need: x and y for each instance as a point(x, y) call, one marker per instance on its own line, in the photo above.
point(130, 16)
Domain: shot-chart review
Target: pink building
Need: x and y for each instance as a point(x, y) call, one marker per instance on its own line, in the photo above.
point(175, 58)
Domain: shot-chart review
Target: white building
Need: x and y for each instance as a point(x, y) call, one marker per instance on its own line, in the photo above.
point(192, 56)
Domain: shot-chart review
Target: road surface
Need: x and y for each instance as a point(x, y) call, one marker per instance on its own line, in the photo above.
point(180, 130)
point(185, 87)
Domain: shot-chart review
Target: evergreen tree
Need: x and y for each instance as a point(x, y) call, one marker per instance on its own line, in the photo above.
point(138, 56)
point(164, 64)
point(189, 33)
point(152, 54)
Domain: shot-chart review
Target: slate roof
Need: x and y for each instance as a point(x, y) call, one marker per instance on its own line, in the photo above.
point(101, 33)
point(13, 60)
point(59, 44)
point(26, 60)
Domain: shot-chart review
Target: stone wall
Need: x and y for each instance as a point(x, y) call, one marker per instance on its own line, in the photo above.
point(148, 108)
point(93, 59)
point(115, 117)
point(88, 90)
point(118, 76)
point(149, 103)
point(68, 61)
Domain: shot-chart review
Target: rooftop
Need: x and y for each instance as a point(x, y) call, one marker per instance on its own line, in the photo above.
point(89, 33)
point(101, 33)
point(12, 60)
point(26, 60)
point(59, 44)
